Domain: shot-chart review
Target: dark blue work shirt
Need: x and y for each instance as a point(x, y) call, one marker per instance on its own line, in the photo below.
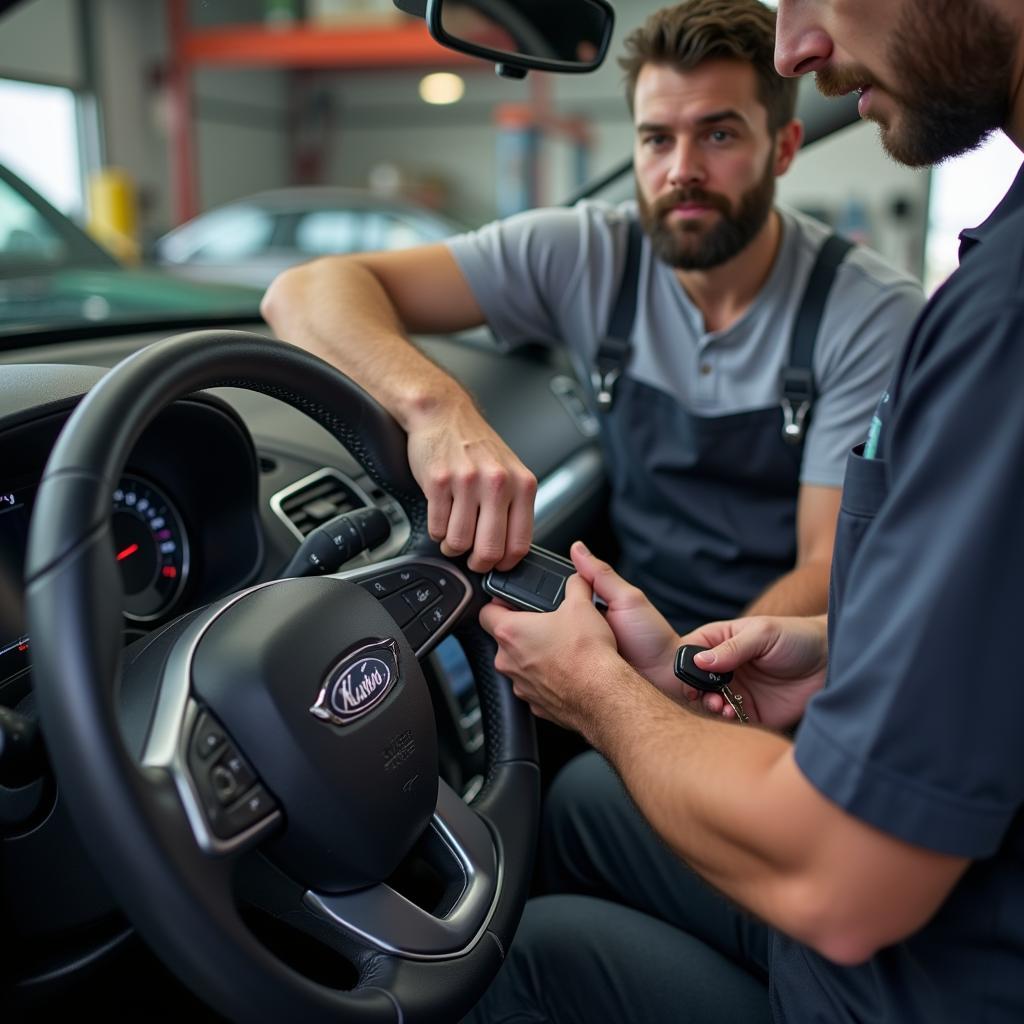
point(920, 728)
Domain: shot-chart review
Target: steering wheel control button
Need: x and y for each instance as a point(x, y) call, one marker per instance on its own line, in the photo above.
point(254, 806)
point(230, 776)
point(241, 814)
point(223, 784)
point(389, 583)
point(445, 582)
point(416, 633)
point(398, 609)
point(420, 595)
point(433, 620)
point(208, 737)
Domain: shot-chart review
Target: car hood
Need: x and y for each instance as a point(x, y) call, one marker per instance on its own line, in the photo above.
point(93, 295)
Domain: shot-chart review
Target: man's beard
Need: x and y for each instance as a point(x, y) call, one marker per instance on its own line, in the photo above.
point(688, 245)
point(955, 64)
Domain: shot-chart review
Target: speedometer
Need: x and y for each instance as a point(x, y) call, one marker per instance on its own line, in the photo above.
point(151, 549)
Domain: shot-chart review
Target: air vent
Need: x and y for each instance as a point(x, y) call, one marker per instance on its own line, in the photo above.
point(315, 499)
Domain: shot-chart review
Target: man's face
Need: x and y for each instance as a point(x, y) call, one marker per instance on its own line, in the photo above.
point(705, 161)
point(937, 75)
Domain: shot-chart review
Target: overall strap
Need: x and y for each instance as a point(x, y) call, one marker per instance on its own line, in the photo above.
point(614, 350)
point(798, 391)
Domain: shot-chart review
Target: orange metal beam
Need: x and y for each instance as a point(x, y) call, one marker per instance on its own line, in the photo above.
point(183, 155)
point(351, 47)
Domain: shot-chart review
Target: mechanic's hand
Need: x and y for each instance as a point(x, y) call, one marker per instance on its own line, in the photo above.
point(779, 664)
point(643, 635)
point(479, 495)
point(558, 661)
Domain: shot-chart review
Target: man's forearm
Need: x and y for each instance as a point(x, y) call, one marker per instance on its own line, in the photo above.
point(338, 310)
point(718, 793)
point(802, 591)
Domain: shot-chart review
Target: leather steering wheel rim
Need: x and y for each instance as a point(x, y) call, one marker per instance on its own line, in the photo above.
point(74, 614)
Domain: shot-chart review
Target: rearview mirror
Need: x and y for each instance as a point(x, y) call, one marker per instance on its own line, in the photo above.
point(568, 35)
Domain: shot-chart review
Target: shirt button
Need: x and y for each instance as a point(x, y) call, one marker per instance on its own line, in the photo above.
point(705, 369)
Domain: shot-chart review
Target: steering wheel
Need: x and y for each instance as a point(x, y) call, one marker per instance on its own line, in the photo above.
point(273, 756)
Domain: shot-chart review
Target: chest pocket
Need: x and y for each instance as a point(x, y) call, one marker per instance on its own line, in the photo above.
point(865, 487)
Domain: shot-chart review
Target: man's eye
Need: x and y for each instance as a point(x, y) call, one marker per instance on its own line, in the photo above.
point(656, 141)
point(720, 135)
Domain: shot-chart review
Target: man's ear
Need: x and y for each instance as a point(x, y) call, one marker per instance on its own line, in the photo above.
point(787, 144)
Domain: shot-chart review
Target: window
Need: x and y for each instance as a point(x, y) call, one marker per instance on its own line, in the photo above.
point(964, 192)
point(39, 141)
point(233, 233)
point(329, 231)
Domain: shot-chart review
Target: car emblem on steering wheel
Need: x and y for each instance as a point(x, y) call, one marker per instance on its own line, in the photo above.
point(358, 683)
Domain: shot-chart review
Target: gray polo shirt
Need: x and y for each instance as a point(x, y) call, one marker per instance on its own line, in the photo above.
point(552, 276)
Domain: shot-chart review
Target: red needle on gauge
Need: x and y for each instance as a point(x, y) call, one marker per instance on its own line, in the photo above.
point(130, 550)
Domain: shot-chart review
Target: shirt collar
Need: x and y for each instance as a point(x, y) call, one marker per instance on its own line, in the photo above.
point(1011, 203)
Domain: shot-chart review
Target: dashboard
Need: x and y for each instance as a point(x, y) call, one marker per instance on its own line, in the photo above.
point(216, 496)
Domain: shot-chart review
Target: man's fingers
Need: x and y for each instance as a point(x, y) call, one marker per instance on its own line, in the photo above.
point(439, 511)
point(520, 524)
point(606, 582)
point(458, 538)
point(738, 649)
point(716, 704)
point(577, 589)
point(489, 543)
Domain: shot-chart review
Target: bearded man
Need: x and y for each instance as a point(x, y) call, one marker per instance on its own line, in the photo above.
point(705, 319)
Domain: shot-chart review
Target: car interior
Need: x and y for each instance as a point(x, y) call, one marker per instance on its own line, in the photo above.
point(256, 759)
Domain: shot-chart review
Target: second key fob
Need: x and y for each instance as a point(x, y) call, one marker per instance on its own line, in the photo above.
point(536, 584)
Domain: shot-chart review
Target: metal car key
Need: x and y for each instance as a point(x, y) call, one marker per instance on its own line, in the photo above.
point(707, 682)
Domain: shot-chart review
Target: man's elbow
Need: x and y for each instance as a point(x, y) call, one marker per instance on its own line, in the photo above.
point(843, 929)
point(279, 297)
point(289, 290)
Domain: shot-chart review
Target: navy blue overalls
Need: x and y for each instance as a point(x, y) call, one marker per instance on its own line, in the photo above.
point(704, 507)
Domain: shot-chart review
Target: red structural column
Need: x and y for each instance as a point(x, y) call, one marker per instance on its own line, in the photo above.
point(183, 148)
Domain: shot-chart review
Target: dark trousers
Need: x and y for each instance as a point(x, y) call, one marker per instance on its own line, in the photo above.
point(629, 934)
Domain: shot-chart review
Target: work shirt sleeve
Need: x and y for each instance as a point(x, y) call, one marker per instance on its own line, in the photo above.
point(918, 729)
point(865, 326)
point(546, 276)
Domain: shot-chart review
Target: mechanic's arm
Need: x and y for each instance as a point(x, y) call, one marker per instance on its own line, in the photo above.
point(729, 799)
point(733, 804)
point(804, 589)
point(356, 312)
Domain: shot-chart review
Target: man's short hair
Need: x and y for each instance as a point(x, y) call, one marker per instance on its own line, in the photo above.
point(686, 35)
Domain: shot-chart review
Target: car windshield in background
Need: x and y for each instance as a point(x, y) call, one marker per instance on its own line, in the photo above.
point(53, 276)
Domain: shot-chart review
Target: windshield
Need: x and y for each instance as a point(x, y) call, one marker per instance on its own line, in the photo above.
point(53, 276)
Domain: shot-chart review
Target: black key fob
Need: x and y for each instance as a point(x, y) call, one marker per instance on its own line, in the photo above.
point(698, 678)
point(536, 584)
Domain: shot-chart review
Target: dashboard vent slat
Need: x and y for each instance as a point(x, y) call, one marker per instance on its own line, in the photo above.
point(317, 499)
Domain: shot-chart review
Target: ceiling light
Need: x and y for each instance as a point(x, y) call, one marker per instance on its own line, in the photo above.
point(442, 88)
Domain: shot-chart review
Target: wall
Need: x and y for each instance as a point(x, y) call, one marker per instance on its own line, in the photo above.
point(381, 119)
point(240, 116)
point(41, 42)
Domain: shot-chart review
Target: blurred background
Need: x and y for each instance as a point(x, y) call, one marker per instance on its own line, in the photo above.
point(309, 126)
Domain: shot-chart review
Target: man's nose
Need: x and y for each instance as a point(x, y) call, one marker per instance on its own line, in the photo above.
point(687, 166)
point(801, 43)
